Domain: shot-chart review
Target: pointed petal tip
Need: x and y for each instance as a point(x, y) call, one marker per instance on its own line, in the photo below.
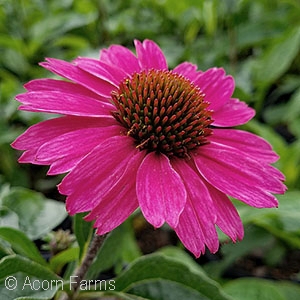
point(198, 251)
point(70, 211)
point(101, 231)
point(244, 178)
point(13, 144)
point(48, 61)
point(197, 248)
point(136, 42)
point(60, 188)
point(238, 235)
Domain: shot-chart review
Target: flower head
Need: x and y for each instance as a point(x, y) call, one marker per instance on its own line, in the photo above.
point(135, 134)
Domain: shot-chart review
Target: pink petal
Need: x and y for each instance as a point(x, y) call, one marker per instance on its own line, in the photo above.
point(77, 75)
point(246, 142)
point(232, 113)
point(97, 173)
point(196, 226)
point(48, 84)
point(150, 55)
point(188, 70)
point(120, 57)
point(160, 190)
point(119, 203)
point(114, 213)
point(65, 151)
point(109, 73)
point(63, 103)
point(228, 219)
point(237, 175)
point(39, 134)
point(190, 231)
point(216, 86)
point(275, 172)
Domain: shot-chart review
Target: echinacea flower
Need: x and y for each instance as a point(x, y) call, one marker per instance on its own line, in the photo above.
point(135, 134)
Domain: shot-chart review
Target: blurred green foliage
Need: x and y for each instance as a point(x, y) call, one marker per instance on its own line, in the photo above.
point(257, 42)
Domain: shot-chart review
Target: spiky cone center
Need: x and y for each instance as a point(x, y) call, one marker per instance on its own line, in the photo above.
point(163, 111)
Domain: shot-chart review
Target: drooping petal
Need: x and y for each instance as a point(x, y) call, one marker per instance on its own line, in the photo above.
point(120, 202)
point(77, 75)
point(160, 190)
point(122, 57)
point(63, 103)
point(97, 173)
point(233, 113)
point(37, 135)
point(237, 175)
point(64, 151)
point(123, 205)
point(246, 142)
point(107, 72)
point(216, 86)
point(189, 231)
point(228, 219)
point(150, 55)
point(196, 226)
point(188, 70)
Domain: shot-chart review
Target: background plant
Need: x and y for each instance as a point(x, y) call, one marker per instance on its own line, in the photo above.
point(257, 42)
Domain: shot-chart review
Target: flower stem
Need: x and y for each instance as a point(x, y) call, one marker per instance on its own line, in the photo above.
point(84, 266)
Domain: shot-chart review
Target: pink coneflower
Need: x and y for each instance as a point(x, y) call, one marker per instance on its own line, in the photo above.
point(136, 134)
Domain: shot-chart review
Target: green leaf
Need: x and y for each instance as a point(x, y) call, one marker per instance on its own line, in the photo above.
point(21, 244)
point(130, 248)
point(182, 257)
point(282, 222)
point(59, 260)
point(164, 289)
point(176, 8)
point(277, 59)
point(253, 288)
point(29, 288)
point(58, 24)
point(37, 214)
point(210, 15)
point(8, 218)
point(32, 279)
point(156, 276)
point(289, 290)
point(287, 211)
point(111, 295)
point(83, 231)
point(251, 34)
point(15, 263)
point(293, 110)
point(255, 237)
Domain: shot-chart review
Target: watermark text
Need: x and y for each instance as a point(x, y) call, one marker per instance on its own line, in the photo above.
point(11, 283)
